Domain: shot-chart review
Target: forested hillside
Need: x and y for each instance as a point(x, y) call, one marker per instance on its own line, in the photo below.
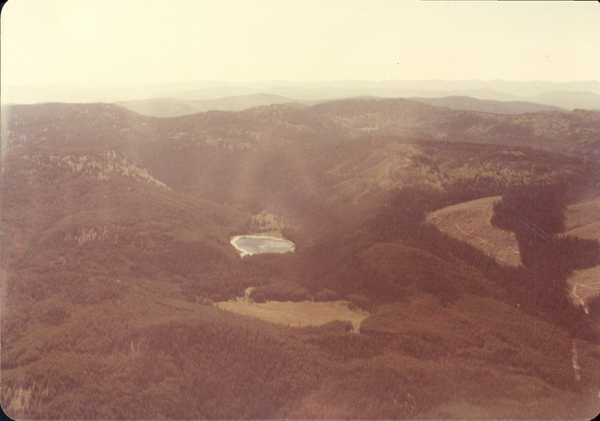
point(115, 250)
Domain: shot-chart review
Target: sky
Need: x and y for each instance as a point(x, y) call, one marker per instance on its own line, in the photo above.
point(91, 43)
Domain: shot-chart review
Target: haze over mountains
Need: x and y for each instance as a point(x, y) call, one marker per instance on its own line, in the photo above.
point(567, 95)
point(117, 264)
point(296, 210)
point(171, 107)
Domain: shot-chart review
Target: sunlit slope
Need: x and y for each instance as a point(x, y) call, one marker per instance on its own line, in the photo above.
point(470, 222)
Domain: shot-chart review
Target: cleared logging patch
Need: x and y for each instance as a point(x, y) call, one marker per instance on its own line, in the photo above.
point(305, 313)
point(470, 222)
point(583, 221)
point(584, 284)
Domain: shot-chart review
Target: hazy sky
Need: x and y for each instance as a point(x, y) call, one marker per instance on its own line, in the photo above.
point(91, 43)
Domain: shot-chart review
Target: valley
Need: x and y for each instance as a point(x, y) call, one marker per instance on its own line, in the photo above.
point(411, 247)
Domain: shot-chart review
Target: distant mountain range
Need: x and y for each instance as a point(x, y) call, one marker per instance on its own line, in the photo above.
point(566, 95)
point(173, 107)
point(487, 106)
point(570, 100)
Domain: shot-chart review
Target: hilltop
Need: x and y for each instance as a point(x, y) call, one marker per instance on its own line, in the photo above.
point(174, 107)
point(489, 106)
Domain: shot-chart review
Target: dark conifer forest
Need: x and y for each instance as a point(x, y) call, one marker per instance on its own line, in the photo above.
point(117, 265)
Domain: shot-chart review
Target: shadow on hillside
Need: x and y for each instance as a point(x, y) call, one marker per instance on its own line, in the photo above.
point(537, 217)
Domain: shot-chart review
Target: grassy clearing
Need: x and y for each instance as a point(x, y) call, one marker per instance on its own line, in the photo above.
point(305, 313)
point(470, 222)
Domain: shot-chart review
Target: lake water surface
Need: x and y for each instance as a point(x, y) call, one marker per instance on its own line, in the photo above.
point(256, 244)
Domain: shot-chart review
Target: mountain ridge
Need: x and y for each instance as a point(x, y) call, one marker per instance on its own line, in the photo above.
point(324, 90)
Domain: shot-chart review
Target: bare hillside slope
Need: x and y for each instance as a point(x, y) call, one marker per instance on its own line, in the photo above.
point(583, 220)
point(470, 222)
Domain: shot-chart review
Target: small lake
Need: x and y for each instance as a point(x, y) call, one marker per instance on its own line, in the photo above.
point(256, 244)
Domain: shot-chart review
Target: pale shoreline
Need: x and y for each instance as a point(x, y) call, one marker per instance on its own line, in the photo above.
point(247, 253)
